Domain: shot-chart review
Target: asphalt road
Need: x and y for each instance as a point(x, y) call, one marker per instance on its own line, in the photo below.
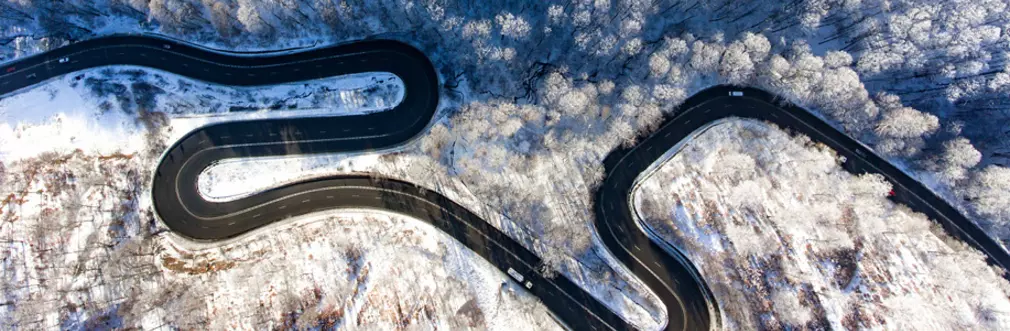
point(181, 207)
point(665, 269)
point(690, 304)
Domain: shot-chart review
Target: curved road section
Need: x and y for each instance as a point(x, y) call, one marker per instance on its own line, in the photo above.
point(665, 269)
point(690, 303)
point(181, 207)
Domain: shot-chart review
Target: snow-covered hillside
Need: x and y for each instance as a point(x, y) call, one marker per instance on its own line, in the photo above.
point(82, 249)
point(619, 64)
point(786, 238)
point(535, 93)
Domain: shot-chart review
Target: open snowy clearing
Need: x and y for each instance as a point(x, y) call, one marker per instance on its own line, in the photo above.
point(786, 238)
point(105, 109)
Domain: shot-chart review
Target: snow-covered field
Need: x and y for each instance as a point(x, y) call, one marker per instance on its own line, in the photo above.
point(105, 110)
point(787, 239)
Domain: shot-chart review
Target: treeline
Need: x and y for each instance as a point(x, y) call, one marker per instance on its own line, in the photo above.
point(920, 81)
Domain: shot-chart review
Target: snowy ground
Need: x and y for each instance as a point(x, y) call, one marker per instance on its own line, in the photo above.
point(103, 110)
point(539, 91)
point(359, 270)
point(77, 256)
point(593, 270)
point(787, 239)
point(82, 249)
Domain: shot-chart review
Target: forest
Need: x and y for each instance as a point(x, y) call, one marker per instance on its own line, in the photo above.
point(536, 93)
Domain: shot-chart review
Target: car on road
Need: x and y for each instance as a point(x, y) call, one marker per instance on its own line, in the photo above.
point(11, 69)
point(31, 75)
point(64, 59)
point(167, 46)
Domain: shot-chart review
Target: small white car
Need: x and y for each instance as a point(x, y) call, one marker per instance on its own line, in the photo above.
point(64, 59)
point(167, 46)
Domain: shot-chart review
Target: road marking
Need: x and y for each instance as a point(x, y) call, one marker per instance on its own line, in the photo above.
point(667, 135)
point(707, 110)
point(282, 207)
point(249, 135)
point(257, 215)
point(231, 223)
point(515, 274)
point(687, 122)
point(306, 200)
point(329, 197)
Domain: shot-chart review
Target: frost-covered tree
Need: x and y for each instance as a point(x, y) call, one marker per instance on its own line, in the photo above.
point(989, 192)
point(574, 79)
point(902, 129)
point(957, 157)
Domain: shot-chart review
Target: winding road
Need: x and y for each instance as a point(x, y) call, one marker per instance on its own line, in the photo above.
point(181, 207)
point(666, 271)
